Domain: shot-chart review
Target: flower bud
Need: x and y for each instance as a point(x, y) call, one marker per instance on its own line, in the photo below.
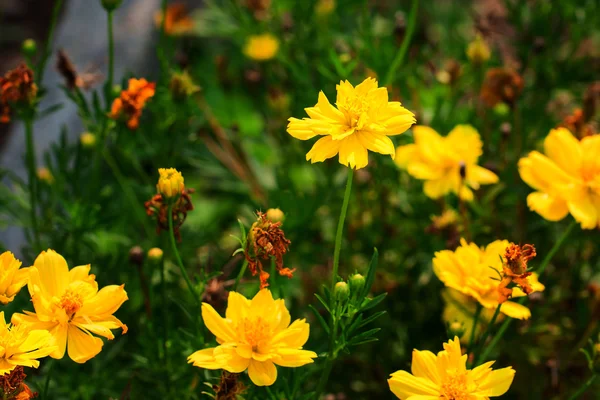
point(29, 47)
point(111, 5)
point(170, 183)
point(341, 291)
point(45, 175)
point(136, 255)
point(456, 328)
point(478, 51)
point(357, 283)
point(155, 254)
point(88, 140)
point(275, 215)
point(324, 7)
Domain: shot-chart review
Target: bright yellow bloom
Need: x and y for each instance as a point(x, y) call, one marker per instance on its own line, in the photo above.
point(170, 183)
point(566, 179)
point(69, 305)
point(12, 277)
point(255, 335)
point(476, 271)
point(21, 346)
point(363, 120)
point(478, 51)
point(440, 161)
point(445, 376)
point(261, 47)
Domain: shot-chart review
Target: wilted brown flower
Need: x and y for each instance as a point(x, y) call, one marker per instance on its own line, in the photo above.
point(215, 292)
point(13, 387)
point(591, 101)
point(72, 79)
point(515, 270)
point(501, 85)
point(229, 387)
point(16, 86)
point(266, 239)
point(158, 207)
point(576, 123)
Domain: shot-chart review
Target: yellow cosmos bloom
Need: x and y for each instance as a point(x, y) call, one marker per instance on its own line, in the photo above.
point(170, 182)
point(12, 277)
point(475, 271)
point(261, 47)
point(69, 305)
point(363, 120)
point(21, 346)
point(566, 179)
point(439, 160)
point(445, 376)
point(255, 335)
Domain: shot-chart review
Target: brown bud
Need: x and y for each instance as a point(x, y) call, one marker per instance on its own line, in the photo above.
point(136, 255)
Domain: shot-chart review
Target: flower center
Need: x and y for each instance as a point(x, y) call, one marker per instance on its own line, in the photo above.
point(71, 302)
point(255, 331)
point(12, 337)
point(455, 386)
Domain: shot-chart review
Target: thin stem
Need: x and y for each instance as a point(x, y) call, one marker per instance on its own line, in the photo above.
point(412, 19)
point(487, 334)
point(340, 231)
point(240, 275)
point(330, 357)
point(48, 377)
point(47, 49)
point(555, 248)
point(582, 389)
point(32, 171)
point(161, 42)
point(111, 55)
point(474, 327)
point(178, 257)
point(271, 395)
point(163, 284)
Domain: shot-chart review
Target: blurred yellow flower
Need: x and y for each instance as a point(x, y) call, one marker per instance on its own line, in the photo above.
point(478, 50)
point(448, 218)
point(170, 182)
point(475, 272)
point(45, 175)
point(446, 164)
point(12, 277)
point(155, 254)
point(255, 335)
point(363, 120)
point(69, 305)
point(566, 179)
point(324, 7)
point(261, 47)
point(22, 346)
point(461, 308)
point(445, 376)
point(87, 139)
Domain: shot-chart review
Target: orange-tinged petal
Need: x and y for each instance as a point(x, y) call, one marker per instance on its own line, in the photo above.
point(262, 373)
point(82, 346)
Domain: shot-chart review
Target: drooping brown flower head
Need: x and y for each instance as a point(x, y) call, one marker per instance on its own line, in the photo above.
point(501, 85)
point(229, 387)
point(132, 101)
point(266, 239)
point(577, 123)
point(514, 270)
point(215, 292)
point(73, 79)
point(16, 86)
point(157, 207)
point(13, 387)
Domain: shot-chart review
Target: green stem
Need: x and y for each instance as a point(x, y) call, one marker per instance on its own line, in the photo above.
point(47, 49)
point(161, 42)
point(32, 171)
point(178, 257)
point(412, 19)
point(111, 56)
point(330, 357)
point(271, 395)
point(48, 377)
point(557, 245)
point(163, 284)
point(486, 335)
point(474, 327)
point(240, 275)
point(585, 386)
point(339, 234)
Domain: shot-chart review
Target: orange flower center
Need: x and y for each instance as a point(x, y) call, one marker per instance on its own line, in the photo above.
point(71, 302)
point(255, 331)
point(455, 386)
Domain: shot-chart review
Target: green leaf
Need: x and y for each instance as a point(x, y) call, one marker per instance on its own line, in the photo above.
point(323, 302)
point(319, 318)
point(370, 275)
point(372, 302)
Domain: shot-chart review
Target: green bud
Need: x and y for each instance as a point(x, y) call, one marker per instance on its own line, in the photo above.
point(357, 283)
point(29, 47)
point(116, 91)
point(111, 5)
point(456, 328)
point(341, 292)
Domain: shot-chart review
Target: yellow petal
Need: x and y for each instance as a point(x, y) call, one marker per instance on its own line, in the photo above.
point(53, 272)
point(300, 129)
point(262, 373)
point(329, 111)
point(590, 163)
point(396, 119)
point(481, 372)
point(465, 142)
point(219, 327)
point(294, 358)
point(377, 142)
point(59, 339)
point(323, 149)
point(79, 273)
point(430, 144)
point(481, 175)
point(423, 365)
point(353, 153)
point(82, 346)
point(281, 317)
point(549, 207)
point(437, 188)
point(515, 310)
point(230, 360)
point(497, 382)
point(541, 173)
point(564, 149)
point(204, 359)
point(106, 302)
point(35, 339)
point(5, 366)
point(295, 336)
point(584, 211)
point(404, 385)
point(237, 307)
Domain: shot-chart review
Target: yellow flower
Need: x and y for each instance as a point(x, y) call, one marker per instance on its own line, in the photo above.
point(475, 272)
point(446, 164)
point(261, 47)
point(363, 120)
point(445, 376)
point(566, 179)
point(69, 305)
point(12, 277)
point(255, 335)
point(45, 175)
point(170, 183)
point(478, 51)
point(324, 7)
point(22, 346)
point(87, 139)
